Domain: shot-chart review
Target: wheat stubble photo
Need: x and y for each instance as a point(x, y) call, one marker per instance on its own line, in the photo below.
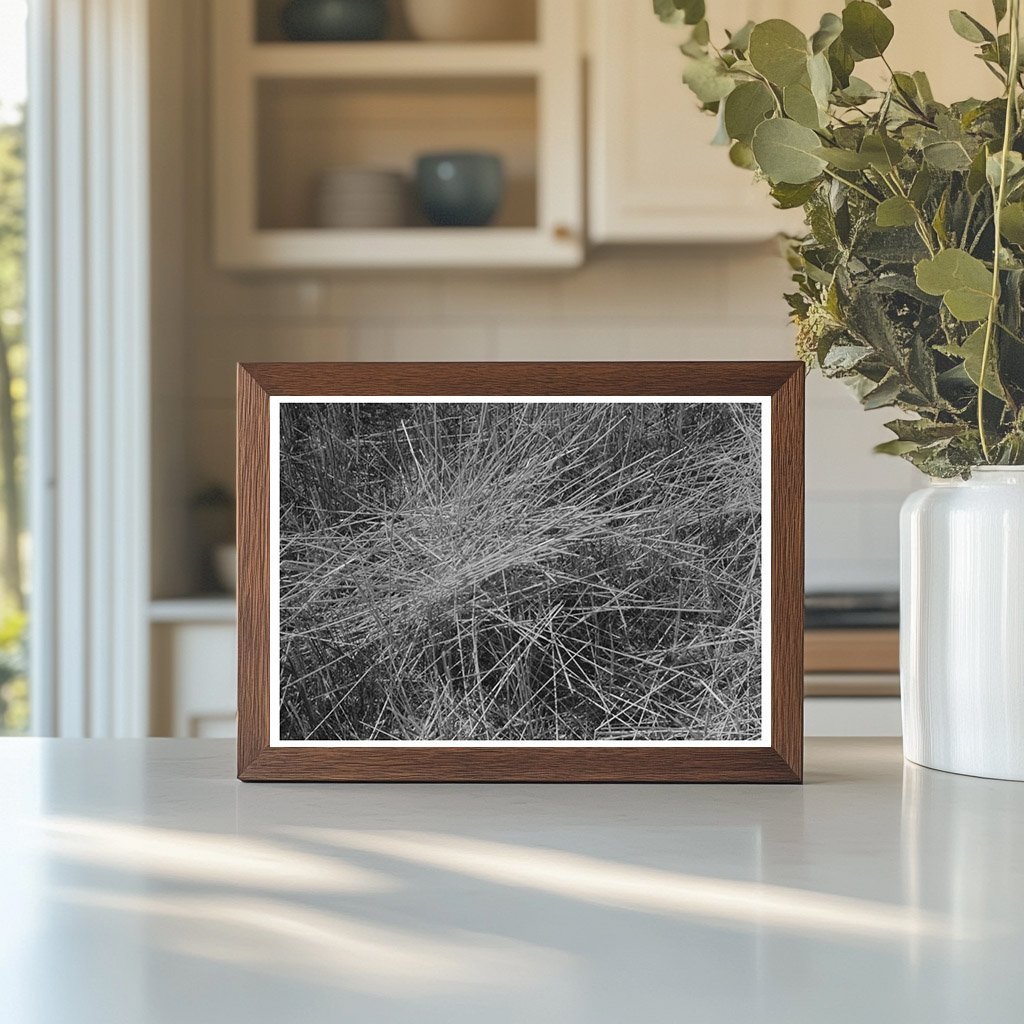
point(520, 571)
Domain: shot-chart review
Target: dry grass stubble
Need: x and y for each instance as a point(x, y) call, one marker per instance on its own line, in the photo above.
point(520, 571)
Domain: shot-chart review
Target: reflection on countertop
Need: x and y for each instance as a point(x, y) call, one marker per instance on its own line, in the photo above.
point(144, 883)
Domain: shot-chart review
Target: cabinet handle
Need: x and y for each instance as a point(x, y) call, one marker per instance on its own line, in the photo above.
point(563, 232)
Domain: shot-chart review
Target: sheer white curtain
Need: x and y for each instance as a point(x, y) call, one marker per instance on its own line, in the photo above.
point(89, 349)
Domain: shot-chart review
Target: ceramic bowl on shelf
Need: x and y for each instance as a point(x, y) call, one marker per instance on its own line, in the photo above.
point(460, 189)
point(333, 21)
point(469, 20)
point(361, 198)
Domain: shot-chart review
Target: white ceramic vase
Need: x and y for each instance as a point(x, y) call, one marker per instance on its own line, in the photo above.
point(962, 624)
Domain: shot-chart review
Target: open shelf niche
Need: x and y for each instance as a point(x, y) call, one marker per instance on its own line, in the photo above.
point(286, 113)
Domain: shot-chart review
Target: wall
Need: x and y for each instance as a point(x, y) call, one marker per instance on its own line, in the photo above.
point(666, 303)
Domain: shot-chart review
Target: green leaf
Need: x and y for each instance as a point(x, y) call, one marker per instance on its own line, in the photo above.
point(1012, 225)
point(785, 152)
point(695, 11)
point(924, 87)
point(708, 80)
point(883, 153)
point(921, 369)
point(947, 156)
point(939, 220)
point(821, 220)
point(923, 431)
point(969, 28)
point(842, 358)
point(676, 12)
point(971, 352)
point(697, 44)
point(997, 53)
point(999, 7)
point(746, 107)
point(741, 155)
point(858, 91)
point(778, 50)
point(841, 60)
point(830, 29)
point(866, 29)
point(896, 212)
point(739, 41)
point(691, 48)
point(976, 174)
point(963, 281)
point(967, 304)
point(906, 89)
point(921, 185)
point(1014, 169)
point(789, 197)
point(885, 394)
point(820, 76)
point(844, 159)
point(800, 105)
point(668, 11)
point(896, 447)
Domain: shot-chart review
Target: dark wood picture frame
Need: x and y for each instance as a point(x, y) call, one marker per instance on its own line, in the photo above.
point(781, 761)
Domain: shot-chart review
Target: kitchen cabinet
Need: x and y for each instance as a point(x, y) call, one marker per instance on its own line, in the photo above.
point(286, 113)
point(653, 175)
point(192, 648)
point(193, 651)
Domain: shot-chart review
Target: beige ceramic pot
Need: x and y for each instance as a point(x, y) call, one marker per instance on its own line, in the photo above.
point(470, 20)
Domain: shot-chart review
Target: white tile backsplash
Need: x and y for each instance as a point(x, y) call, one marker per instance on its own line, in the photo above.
point(580, 340)
point(414, 297)
point(646, 285)
point(507, 297)
point(253, 297)
point(413, 342)
point(715, 303)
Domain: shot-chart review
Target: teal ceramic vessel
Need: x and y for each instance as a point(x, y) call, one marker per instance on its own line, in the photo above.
point(334, 21)
point(461, 190)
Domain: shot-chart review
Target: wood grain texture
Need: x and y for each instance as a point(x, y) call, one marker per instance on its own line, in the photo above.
point(783, 382)
point(253, 531)
point(670, 379)
point(787, 570)
point(852, 650)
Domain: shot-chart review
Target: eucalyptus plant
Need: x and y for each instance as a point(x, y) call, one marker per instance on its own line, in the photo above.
point(910, 278)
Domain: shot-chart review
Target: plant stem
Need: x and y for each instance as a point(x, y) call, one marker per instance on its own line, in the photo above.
point(856, 188)
point(771, 89)
point(908, 101)
point(923, 228)
point(1000, 199)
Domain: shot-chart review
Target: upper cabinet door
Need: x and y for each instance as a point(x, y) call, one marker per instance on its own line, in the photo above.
point(653, 174)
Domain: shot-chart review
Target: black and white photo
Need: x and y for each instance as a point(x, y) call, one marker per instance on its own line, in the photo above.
point(528, 571)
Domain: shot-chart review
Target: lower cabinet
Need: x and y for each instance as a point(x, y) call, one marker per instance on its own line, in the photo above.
point(193, 677)
point(194, 686)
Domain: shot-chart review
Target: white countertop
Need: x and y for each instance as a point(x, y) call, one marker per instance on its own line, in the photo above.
point(143, 885)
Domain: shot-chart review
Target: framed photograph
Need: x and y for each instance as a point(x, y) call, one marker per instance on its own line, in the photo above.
point(520, 572)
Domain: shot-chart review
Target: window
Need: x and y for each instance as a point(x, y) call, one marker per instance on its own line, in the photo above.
point(14, 548)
